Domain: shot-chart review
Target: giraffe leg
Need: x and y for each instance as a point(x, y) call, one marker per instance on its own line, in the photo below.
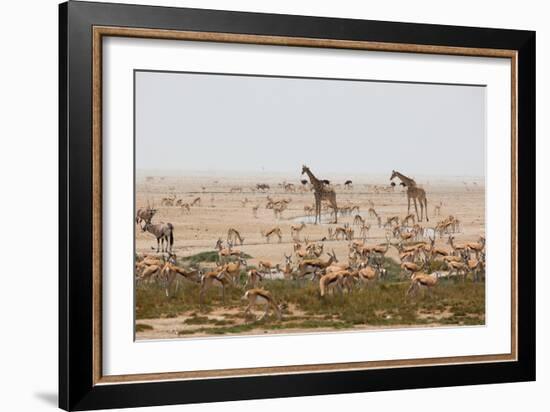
point(317, 210)
point(409, 204)
point(416, 208)
point(426, 207)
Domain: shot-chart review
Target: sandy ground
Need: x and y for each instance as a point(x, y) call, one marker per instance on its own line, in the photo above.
point(198, 230)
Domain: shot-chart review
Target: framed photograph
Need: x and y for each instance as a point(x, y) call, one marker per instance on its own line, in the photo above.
point(256, 205)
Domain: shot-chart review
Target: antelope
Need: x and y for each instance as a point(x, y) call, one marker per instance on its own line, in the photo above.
point(392, 220)
point(358, 220)
point(372, 212)
point(406, 219)
point(145, 215)
point(368, 273)
point(308, 210)
point(233, 269)
point(223, 253)
point(312, 266)
point(226, 253)
point(349, 232)
point(348, 184)
point(259, 296)
point(458, 267)
point(168, 201)
point(287, 270)
point(476, 247)
point(452, 258)
point(411, 267)
point(344, 232)
point(289, 187)
point(148, 260)
point(185, 207)
point(276, 231)
point(475, 266)
point(278, 210)
point(380, 249)
point(349, 279)
point(171, 270)
point(196, 201)
point(436, 251)
point(163, 232)
point(214, 278)
point(254, 277)
point(255, 210)
point(457, 248)
point(314, 249)
point(235, 189)
point(300, 252)
point(149, 266)
point(266, 266)
point(295, 231)
point(233, 235)
point(361, 249)
point(437, 209)
point(262, 186)
point(364, 230)
point(422, 280)
point(332, 279)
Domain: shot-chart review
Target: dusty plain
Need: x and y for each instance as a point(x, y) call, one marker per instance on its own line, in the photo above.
point(227, 201)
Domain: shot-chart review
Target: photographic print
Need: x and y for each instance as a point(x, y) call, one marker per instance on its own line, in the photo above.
point(321, 183)
point(283, 205)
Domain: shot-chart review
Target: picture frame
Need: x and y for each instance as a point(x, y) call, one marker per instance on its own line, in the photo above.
point(82, 28)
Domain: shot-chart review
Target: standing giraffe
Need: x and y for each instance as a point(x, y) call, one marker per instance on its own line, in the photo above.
point(413, 192)
point(321, 192)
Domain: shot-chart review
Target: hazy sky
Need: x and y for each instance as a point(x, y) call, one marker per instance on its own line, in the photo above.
point(205, 122)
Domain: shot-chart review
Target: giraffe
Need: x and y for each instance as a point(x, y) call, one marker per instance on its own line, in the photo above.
point(321, 192)
point(413, 192)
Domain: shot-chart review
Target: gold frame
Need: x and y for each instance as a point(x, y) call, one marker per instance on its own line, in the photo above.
point(101, 31)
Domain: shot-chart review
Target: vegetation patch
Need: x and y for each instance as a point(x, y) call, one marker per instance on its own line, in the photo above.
point(205, 257)
point(141, 327)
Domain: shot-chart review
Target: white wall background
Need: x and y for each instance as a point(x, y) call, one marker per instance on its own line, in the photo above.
point(28, 173)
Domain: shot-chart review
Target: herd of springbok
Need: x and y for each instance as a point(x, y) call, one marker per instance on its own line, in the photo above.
point(364, 264)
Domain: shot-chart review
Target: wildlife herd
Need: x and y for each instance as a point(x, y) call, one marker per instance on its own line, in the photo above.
point(342, 237)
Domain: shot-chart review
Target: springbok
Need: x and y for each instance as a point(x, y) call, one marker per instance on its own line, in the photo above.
point(422, 280)
point(331, 280)
point(253, 278)
point(233, 236)
point(295, 231)
point(358, 220)
point(233, 270)
point(214, 278)
point(261, 296)
point(255, 211)
point(313, 266)
point(476, 247)
point(457, 248)
point(276, 231)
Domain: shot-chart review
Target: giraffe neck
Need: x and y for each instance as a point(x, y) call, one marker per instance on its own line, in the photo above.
point(407, 180)
point(314, 181)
